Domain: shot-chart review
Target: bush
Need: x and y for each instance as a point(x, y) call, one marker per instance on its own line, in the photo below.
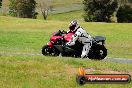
point(99, 10)
point(124, 14)
point(23, 8)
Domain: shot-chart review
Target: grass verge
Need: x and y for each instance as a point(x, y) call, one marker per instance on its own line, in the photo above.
point(52, 72)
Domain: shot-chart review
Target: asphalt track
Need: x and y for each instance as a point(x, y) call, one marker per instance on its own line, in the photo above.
point(117, 60)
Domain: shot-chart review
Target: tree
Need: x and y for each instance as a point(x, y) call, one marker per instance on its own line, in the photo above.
point(44, 10)
point(124, 14)
point(124, 2)
point(99, 10)
point(45, 7)
point(23, 8)
point(130, 1)
point(0, 3)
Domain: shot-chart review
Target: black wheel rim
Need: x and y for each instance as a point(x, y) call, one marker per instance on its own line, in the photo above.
point(50, 51)
point(101, 53)
point(47, 51)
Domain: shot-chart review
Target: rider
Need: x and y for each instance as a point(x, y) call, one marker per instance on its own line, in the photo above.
point(82, 36)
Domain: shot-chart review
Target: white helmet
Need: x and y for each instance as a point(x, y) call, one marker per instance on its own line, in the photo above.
point(73, 25)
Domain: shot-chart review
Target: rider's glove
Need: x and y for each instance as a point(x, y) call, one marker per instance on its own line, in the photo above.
point(67, 44)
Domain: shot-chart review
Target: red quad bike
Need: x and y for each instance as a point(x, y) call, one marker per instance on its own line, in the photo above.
point(57, 46)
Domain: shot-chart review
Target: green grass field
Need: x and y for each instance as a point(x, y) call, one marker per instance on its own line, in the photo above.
point(67, 16)
point(52, 72)
point(27, 35)
point(20, 37)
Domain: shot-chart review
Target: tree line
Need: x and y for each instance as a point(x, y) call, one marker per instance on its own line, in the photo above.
point(26, 8)
point(95, 10)
point(108, 10)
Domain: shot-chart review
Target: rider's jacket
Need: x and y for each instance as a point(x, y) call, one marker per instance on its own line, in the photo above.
point(82, 36)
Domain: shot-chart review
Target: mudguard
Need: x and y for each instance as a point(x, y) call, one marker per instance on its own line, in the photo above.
point(99, 38)
point(50, 44)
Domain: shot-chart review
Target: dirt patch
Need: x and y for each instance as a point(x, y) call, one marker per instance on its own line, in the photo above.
point(73, 71)
point(106, 71)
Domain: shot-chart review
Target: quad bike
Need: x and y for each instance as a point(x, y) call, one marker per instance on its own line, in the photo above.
point(57, 46)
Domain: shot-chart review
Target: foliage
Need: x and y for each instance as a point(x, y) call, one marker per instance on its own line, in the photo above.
point(99, 10)
point(124, 2)
point(124, 14)
point(23, 8)
point(0, 3)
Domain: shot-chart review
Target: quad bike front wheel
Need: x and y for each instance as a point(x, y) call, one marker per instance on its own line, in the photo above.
point(49, 51)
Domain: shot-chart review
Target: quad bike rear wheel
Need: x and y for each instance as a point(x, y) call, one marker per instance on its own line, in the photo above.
point(99, 53)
